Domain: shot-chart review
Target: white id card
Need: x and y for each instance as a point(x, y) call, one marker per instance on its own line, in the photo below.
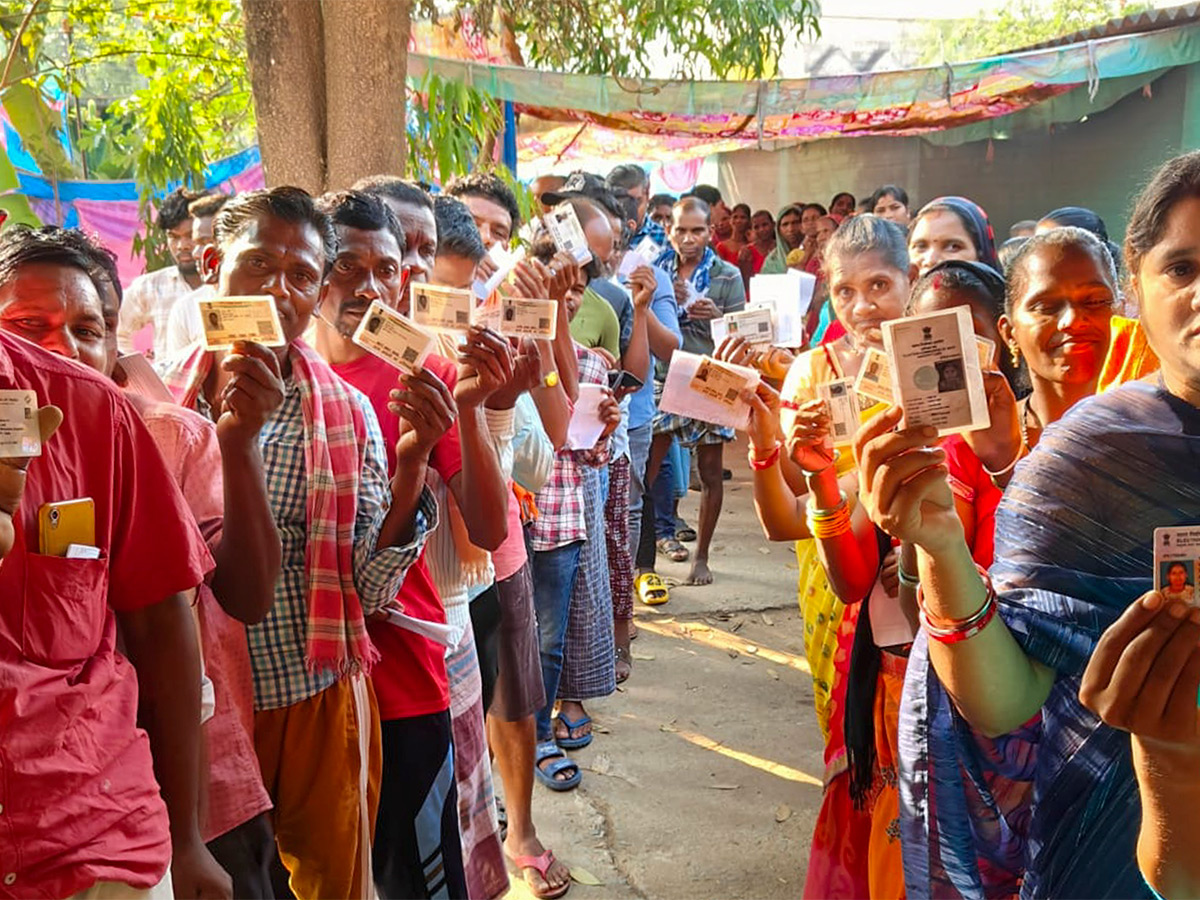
point(230, 319)
point(755, 325)
point(644, 254)
point(843, 410)
point(1177, 562)
point(700, 388)
point(443, 308)
point(875, 377)
point(522, 317)
point(19, 432)
point(720, 382)
point(935, 367)
point(393, 338)
point(504, 261)
point(568, 233)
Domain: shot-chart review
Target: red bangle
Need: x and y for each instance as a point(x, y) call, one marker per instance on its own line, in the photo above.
point(952, 631)
point(957, 636)
point(789, 404)
point(771, 458)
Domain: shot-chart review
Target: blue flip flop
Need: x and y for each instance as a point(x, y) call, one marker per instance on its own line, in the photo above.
point(576, 743)
point(550, 750)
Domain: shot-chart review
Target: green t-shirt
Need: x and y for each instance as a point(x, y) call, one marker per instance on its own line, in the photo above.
point(596, 324)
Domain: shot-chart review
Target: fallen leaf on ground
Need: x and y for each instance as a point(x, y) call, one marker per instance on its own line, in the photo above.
point(765, 551)
point(583, 876)
point(724, 787)
point(783, 812)
point(767, 620)
point(668, 727)
point(600, 729)
point(736, 626)
point(642, 657)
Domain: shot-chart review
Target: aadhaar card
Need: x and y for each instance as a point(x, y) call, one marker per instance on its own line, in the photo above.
point(568, 233)
point(875, 377)
point(230, 319)
point(719, 382)
point(843, 410)
point(755, 325)
point(393, 338)
point(523, 317)
point(443, 308)
point(19, 431)
point(936, 372)
point(1177, 562)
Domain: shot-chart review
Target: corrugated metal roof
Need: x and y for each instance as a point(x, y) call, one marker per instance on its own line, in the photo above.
point(1150, 20)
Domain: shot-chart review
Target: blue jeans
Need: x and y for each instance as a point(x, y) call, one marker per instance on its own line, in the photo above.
point(639, 458)
point(554, 574)
point(662, 492)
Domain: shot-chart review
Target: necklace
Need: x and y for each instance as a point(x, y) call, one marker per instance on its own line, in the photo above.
point(1037, 423)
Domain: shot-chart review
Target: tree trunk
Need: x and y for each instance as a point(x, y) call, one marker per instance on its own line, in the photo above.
point(285, 47)
point(366, 60)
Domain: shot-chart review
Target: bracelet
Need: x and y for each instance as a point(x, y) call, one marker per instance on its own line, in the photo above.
point(830, 526)
point(907, 580)
point(953, 631)
point(815, 512)
point(1022, 452)
point(767, 461)
point(789, 404)
point(809, 473)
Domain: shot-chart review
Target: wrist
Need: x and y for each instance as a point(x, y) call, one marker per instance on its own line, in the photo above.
point(1176, 764)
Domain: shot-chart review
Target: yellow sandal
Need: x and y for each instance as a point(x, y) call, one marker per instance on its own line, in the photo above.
point(651, 589)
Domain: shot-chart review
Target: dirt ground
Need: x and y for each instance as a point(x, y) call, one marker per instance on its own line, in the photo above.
point(704, 778)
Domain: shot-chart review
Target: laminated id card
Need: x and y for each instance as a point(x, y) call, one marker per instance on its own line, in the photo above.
point(568, 233)
point(1177, 562)
point(443, 308)
point(843, 409)
point(393, 338)
point(19, 431)
point(230, 319)
point(522, 317)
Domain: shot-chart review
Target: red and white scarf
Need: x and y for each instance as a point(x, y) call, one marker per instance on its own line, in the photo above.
point(335, 443)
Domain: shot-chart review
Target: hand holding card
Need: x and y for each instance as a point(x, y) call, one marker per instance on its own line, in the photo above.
point(568, 233)
point(227, 320)
point(393, 338)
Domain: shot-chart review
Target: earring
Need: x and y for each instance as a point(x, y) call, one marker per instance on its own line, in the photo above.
point(1016, 355)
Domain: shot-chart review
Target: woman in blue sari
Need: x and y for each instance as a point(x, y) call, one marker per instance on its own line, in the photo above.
point(1073, 551)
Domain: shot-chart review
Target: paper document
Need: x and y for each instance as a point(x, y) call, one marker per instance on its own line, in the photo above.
point(445, 635)
point(568, 233)
point(586, 426)
point(702, 388)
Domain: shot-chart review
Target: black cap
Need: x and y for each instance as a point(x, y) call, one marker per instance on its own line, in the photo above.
point(578, 184)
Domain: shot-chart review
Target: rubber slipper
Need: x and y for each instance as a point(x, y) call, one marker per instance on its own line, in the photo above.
point(687, 535)
point(541, 865)
point(651, 590)
point(502, 820)
point(673, 550)
point(550, 750)
point(574, 743)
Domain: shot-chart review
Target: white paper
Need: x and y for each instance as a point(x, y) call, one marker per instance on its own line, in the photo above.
point(890, 627)
point(678, 396)
point(586, 426)
point(393, 338)
point(445, 635)
point(644, 254)
point(505, 262)
point(568, 233)
point(227, 320)
point(935, 366)
point(789, 295)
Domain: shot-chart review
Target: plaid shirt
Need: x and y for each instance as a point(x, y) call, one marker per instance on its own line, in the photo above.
point(149, 299)
point(560, 518)
point(277, 645)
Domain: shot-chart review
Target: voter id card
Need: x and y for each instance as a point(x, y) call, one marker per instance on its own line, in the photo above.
point(393, 338)
point(1177, 562)
point(230, 319)
point(843, 410)
point(718, 382)
point(755, 325)
point(532, 318)
point(875, 377)
point(443, 308)
point(568, 233)
point(19, 431)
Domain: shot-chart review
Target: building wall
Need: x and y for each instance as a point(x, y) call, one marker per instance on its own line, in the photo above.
point(1100, 163)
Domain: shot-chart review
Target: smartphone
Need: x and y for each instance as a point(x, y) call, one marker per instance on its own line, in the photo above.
point(64, 523)
point(619, 379)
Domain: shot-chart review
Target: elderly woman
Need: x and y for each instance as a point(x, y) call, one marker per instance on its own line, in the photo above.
point(1073, 550)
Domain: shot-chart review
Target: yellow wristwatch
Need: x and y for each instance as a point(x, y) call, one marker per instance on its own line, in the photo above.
point(551, 380)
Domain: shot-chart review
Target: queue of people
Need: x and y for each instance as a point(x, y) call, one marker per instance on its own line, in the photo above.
point(309, 599)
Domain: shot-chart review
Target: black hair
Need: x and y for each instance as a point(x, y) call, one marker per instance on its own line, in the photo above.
point(1008, 250)
point(1176, 180)
point(292, 204)
point(542, 249)
point(745, 206)
point(661, 200)
point(21, 245)
point(366, 212)
point(838, 196)
point(983, 288)
point(889, 190)
point(207, 206)
point(627, 176)
point(458, 235)
point(817, 206)
point(392, 187)
point(870, 234)
point(1025, 225)
point(1070, 236)
point(693, 203)
point(707, 193)
point(763, 212)
point(489, 186)
point(173, 210)
point(1080, 217)
point(103, 267)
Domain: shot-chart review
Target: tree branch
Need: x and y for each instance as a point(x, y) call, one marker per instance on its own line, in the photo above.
point(16, 42)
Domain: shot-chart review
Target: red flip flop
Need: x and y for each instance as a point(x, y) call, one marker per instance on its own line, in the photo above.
point(541, 865)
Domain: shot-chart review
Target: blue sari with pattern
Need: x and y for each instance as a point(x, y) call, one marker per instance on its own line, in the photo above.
point(1052, 810)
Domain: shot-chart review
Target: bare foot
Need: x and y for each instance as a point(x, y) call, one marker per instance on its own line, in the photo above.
point(557, 874)
point(700, 573)
point(623, 666)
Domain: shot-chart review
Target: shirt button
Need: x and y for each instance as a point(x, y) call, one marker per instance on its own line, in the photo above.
point(10, 878)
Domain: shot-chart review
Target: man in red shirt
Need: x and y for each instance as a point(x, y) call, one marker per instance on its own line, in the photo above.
point(410, 679)
point(79, 799)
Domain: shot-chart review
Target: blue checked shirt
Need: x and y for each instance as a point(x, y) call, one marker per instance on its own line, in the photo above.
point(277, 645)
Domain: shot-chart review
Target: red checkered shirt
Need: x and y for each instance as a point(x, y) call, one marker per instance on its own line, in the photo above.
point(560, 518)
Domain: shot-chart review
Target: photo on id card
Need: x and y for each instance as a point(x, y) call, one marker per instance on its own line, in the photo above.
point(935, 370)
point(1177, 562)
point(393, 338)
